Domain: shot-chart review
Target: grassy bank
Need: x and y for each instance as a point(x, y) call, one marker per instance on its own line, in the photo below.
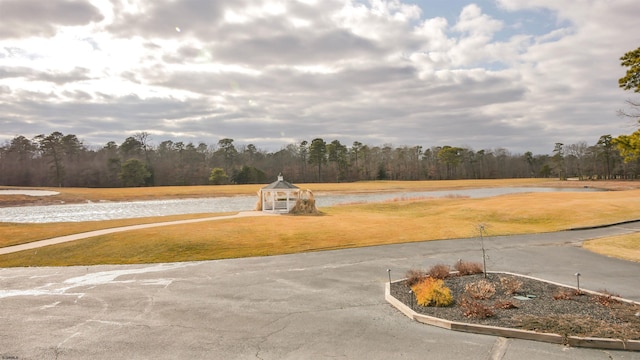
point(79, 195)
point(15, 234)
point(623, 247)
point(340, 227)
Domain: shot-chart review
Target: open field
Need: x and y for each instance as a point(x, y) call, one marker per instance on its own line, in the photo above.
point(79, 195)
point(15, 234)
point(623, 247)
point(339, 227)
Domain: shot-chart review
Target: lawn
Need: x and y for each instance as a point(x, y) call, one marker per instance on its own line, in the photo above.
point(19, 233)
point(78, 195)
point(338, 227)
point(623, 247)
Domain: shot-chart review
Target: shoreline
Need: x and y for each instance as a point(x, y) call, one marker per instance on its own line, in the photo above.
point(84, 195)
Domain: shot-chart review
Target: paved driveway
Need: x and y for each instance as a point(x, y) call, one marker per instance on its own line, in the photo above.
point(323, 305)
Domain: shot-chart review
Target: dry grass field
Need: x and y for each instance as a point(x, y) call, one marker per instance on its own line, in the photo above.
point(623, 247)
point(79, 195)
point(15, 234)
point(338, 227)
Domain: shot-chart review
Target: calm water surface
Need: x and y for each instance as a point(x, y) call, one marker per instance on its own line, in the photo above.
point(136, 209)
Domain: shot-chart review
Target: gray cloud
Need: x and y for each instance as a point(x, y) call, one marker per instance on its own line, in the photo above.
point(160, 18)
point(57, 77)
point(304, 47)
point(24, 18)
point(189, 70)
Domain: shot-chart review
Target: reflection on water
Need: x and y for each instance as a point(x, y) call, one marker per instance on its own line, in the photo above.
point(135, 209)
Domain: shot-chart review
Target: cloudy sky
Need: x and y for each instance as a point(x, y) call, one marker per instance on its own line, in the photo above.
point(517, 74)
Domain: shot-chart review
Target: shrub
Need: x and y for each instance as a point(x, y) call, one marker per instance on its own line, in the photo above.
point(415, 276)
point(511, 285)
point(474, 309)
point(432, 292)
point(480, 290)
point(304, 207)
point(468, 268)
point(439, 271)
point(607, 298)
point(505, 305)
point(566, 294)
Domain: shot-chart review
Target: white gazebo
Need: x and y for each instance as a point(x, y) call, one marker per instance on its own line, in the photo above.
point(279, 197)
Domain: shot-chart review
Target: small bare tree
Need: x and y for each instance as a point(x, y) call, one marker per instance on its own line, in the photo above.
point(482, 230)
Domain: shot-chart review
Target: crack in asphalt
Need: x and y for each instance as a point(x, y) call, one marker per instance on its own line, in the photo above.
point(499, 349)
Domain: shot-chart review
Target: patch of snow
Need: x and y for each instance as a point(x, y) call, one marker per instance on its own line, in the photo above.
point(96, 279)
point(106, 277)
point(44, 307)
point(30, 292)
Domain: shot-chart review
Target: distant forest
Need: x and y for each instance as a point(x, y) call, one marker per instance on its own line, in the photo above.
point(63, 160)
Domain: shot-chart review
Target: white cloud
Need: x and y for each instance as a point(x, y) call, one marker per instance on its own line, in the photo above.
point(474, 22)
point(271, 71)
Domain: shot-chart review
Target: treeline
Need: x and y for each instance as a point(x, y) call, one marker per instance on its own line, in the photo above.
point(63, 160)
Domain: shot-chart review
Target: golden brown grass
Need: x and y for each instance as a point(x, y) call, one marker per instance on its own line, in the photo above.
point(623, 246)
point(340, 227)
point(75, 195)
point(15, 234)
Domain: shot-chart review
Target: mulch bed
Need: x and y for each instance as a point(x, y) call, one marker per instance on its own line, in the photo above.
point(574, 314)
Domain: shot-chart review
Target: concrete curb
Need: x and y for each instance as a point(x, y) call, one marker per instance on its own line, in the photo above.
point(604, 225)
point(575, 341)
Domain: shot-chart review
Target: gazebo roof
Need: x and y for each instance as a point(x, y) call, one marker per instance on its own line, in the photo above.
point(280, 184)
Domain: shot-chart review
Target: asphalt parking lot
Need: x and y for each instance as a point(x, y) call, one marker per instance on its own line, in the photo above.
point(321, 305)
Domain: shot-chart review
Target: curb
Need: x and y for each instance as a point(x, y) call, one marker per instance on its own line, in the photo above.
point(604, 225)
point(574, 341)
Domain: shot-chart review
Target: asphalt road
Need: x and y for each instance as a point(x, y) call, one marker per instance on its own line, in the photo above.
point(322, 305)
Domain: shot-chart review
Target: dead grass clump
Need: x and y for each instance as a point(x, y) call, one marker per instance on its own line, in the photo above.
point(468, 268)
point(571, 325)
point(510, 285)
point(505, 305)
point(439, 271)
point(480, 290)
point(305, 205)
point(473, 309)
point(415, 276)
point(432, 292)
point(627, 314)
point(606, 298)
point(566, 294)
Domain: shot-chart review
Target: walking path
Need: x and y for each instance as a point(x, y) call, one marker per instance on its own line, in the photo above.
point(84, 235)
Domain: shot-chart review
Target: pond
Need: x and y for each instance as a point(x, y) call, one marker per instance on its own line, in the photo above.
point(28, 192)
point(134, 209)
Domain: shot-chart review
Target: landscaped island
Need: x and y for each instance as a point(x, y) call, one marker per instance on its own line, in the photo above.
point(516, 303)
